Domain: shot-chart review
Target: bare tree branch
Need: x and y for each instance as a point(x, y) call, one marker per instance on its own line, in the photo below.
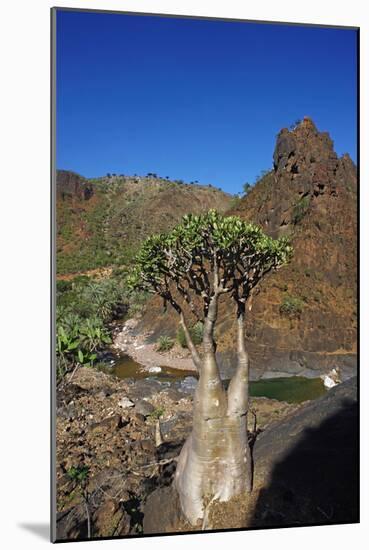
point(191, 346)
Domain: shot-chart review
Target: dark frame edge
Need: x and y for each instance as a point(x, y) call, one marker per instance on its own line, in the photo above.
point(358, 263)
point(204, 17)
point(53, 536)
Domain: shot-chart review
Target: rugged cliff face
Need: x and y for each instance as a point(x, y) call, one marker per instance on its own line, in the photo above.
point(303, 318)
point(72, 186)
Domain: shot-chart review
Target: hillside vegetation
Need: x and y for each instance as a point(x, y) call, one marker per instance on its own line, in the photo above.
point(101, 222)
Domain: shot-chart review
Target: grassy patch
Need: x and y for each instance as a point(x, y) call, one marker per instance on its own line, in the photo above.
point(157, 413)
point(292, 306)
point(165, 343)
point(300, 209)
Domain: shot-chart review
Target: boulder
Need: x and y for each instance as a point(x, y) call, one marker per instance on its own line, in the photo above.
point(108, 425)
point(162, 512)
point(306, 466)
point(111, 519)
point(125, 403)
point(70, 185)
point(144, 407)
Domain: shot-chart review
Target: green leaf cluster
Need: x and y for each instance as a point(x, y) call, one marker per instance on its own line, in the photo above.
point(91, 298)
point(79, 473)
point(201, 245)
point(77, 340)
point(157, 413)
point(292, 306)
point(85, 307)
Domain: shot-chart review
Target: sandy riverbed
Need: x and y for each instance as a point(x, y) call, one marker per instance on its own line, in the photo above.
point(128, 341)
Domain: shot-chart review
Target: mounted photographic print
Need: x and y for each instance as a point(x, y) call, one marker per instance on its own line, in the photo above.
point(204, 366)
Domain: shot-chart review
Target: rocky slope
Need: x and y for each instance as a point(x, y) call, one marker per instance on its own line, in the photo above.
point(108, 426)
point(303, 318)
point(102, 221)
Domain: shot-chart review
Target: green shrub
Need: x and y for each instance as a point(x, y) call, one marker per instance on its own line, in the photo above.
point(100, 298)
point(300, 209)
point(181, 339)
point(84, 308)
point(103, 296)
point(157, 413)
point(78, 340)
point(63, 286)
point(134, 309)
point(79, 473)
point(81, 279)
point(196, 332)
point(165, 343)
point(292, 306)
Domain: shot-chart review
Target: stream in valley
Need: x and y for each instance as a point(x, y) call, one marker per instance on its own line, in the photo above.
point(293, 389)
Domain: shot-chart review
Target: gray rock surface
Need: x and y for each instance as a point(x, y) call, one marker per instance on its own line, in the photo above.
point(144, 407)
point(307, 463)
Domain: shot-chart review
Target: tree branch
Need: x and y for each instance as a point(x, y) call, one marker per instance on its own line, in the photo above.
point(191, 346)
point(238, 391)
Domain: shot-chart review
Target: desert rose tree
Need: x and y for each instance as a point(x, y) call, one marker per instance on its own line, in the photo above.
point(191, 267)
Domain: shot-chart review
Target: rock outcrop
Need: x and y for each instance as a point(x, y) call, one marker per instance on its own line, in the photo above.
point(304, 318)
point(70, 185)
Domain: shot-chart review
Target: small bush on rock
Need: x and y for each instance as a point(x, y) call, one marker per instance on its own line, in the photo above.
point(157, 413)
point(300, 209)
point(291, 306)
point(165, 343)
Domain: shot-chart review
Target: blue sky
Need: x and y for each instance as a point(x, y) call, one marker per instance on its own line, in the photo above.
point(195, 99)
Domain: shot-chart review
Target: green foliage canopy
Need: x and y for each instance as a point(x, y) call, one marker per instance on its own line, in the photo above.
point(207, 254)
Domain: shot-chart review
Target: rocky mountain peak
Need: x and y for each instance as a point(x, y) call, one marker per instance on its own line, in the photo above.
point(311, 197)
point(307, 175)
point(303, 148)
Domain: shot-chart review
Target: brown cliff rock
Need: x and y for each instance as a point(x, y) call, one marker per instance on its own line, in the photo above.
point(73, 186)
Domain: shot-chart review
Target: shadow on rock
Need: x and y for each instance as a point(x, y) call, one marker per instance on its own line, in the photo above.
point(307, 466)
